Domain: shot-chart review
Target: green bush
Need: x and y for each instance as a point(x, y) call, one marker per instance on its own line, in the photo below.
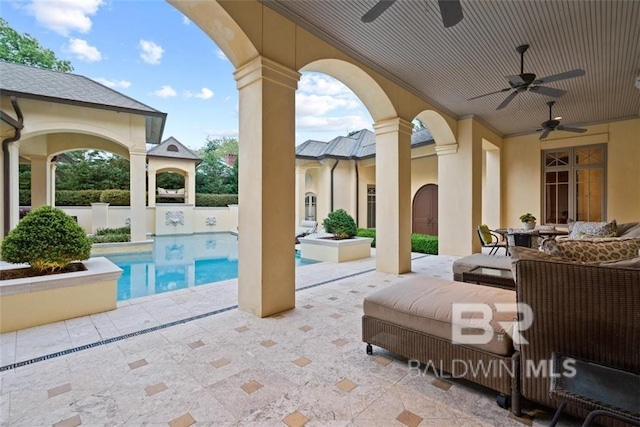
point(340, 224)
point(120, 230)
point(116, 197)
point(368, 232)
point(47, 239)
point(110, 238)
point(25, 197)
point(77, 198)
point(216, 200)
point(424, 243)
point(421, 243)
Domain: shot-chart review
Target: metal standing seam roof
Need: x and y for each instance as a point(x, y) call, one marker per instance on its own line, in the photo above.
point(355, 146)
point(23, 81)
point(183, 152)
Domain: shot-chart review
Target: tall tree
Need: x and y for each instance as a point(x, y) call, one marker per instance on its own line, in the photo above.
point(25, 49)
point(214, 175)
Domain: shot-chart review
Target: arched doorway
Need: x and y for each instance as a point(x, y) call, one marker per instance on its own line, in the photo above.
point(425, 210)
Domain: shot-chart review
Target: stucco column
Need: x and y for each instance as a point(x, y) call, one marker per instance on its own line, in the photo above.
point(190, 186)
point(301, 183)
point(460, 192)
point(137, 165)
point(14, 184)
point(393, 195)
point(151, 177)
point(266, 269)
point(51, 184)
point(38, 181)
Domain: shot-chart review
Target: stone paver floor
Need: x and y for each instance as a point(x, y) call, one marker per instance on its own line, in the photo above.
point(306, 366)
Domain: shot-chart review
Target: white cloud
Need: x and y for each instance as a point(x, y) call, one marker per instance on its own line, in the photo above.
point(151, 52)
point(83, 50)
point(325, 105)
point(228, 133)
point(220, 54)
point(124, 84)
point(165, 91)
point(64, 16)
point(205, 93)
point(339, 125)
point(186, 21)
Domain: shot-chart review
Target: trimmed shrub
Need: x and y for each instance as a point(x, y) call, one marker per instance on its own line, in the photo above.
point(47, 239)
point(216, 200)
point(116, 197)
point(424, 243)
point(421, 243)
point(120, 230)
point(77, 198)
point(340, 224)
point(368, 232)
point(25, 197)
point(110, 238)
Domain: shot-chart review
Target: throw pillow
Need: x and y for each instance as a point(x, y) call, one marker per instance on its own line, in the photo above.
point(521, 252)
point(597, 250)
point(599, 229)
point(485, 234)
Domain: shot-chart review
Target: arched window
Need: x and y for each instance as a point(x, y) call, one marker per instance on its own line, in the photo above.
point(172, 148)
point(310, 207)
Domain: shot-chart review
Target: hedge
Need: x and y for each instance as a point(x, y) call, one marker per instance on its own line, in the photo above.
point(120, 230)
point(77, 198)
point(421, 243)
point(116, 197)
point(216, 200)
point(122, 198)
point(368, 232)
point(110, 238)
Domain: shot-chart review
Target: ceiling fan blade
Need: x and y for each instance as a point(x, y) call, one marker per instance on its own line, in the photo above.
point(515, 80)
point(548, 91)
point(569, 129)
point(545, 133)
point(377, 10)
point(562, 76)
point(451, 12)
point(507, 100)
point(491, 93)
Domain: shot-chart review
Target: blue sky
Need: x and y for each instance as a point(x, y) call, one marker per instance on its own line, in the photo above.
point(149, 51)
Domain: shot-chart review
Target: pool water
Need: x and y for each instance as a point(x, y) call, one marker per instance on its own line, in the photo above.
point(179, 262)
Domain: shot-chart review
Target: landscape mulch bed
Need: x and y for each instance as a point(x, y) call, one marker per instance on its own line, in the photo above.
point(21, 273)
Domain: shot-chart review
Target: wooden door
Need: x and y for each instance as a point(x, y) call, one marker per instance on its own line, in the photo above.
point(425, 210)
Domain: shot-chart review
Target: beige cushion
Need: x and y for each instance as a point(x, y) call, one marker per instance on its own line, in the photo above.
point(592, 250)
point(468, 263)
point(632, 263)
point(595, 229)
point(424, 304)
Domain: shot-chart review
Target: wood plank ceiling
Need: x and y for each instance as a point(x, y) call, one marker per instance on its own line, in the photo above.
point(446, 66)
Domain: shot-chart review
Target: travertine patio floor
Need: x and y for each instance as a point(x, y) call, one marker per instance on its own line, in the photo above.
point(306, 366)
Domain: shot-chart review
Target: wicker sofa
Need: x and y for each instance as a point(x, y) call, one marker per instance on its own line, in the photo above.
point(588, 312)
point(584, 311)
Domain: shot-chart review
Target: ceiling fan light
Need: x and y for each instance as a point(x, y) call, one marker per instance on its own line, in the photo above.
point(557, 118)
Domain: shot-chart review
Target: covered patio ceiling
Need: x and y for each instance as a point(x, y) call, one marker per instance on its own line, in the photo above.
point(447, 66)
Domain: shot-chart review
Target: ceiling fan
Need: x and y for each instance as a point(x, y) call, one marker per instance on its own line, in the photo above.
point(528, 82)
point(451, 11)
point(554, 124)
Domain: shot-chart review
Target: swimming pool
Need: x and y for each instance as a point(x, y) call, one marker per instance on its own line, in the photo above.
point(179, 262)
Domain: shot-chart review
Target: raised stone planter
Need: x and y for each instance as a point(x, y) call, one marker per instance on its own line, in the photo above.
point(322, 249)
point(40, 300)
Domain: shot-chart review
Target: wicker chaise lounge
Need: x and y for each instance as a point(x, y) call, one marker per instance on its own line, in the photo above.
point(414, 319)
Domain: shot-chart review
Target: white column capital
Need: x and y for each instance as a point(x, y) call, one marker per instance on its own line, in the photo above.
point(395, 124)
point(263, 68)
point(442, 150)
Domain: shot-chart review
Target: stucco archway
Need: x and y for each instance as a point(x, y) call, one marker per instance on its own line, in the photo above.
point(374, 98)
point(215, 22)
point(439, 127)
